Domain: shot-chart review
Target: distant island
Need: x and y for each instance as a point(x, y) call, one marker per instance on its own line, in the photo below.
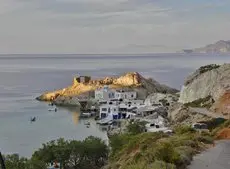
point(218, 47)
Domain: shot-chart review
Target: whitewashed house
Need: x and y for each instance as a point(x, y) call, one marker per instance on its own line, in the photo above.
point(109, 110)
point(104, 94)
point(125, 95)
point(130, 105)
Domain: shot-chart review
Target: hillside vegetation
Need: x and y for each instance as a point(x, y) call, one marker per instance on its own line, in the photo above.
point(156, 150)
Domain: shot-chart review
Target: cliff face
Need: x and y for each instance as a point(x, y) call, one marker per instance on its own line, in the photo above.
point(208, 81)
point(128, 81)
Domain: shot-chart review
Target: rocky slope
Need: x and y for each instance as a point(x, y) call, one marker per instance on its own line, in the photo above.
point(181, 114)
point(128, 81)
point(209, 81)
point(218, 47)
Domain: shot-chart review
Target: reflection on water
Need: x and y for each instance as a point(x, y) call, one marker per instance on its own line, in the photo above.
point(75, 113)
point(75, 117)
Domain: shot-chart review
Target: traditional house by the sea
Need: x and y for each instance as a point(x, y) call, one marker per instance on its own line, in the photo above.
point(125, 95)
point(109, 110)
point(130, 105)
point(146, 110)
point(104, 94)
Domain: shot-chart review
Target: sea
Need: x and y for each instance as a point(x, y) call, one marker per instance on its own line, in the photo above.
point(24, 77)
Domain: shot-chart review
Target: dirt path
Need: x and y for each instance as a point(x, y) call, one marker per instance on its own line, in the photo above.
point(217, 157)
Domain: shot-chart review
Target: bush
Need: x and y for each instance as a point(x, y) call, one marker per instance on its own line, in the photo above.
point(166, 152)
point(182, 129)
point(186, 154)
point(136, 127)
point(161, 165)
point(117, 142)
point(206, 68)
point(205, 139)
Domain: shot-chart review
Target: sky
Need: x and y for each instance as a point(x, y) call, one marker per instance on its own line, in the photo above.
point(111, 26)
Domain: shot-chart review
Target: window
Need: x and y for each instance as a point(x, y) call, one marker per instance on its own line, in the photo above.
point(132, 95)
point(115, 109)
point(111, 95)
point(104, 109)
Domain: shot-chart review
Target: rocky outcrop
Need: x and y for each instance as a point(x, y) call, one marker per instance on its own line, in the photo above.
point(209, 85)
point(181, 114)
point(218, 47)
point(66, 101)
point(210, 80)
point(128, 81)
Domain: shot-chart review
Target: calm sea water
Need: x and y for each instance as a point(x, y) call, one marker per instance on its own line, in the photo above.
point(23, 77)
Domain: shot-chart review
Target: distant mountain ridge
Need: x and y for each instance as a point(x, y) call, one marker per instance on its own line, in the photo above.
point(218, 47)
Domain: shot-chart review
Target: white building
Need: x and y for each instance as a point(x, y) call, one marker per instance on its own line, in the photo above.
point(109, 110)
point(127, 105)
point(104, 94)
point(131, 95)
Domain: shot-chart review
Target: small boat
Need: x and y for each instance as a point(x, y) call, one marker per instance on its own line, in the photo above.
point(32, 119)
point(87, 123)
point(85, 115)
point(53, 110)
point(105, 122)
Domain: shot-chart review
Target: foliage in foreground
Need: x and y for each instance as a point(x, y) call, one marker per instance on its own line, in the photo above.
point(133, 150)
point(136, 127)
point(90, 153)
point(15, 162)
point(156, 150)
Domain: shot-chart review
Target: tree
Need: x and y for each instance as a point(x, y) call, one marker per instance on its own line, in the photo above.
point(89, 153)
point(15, 162)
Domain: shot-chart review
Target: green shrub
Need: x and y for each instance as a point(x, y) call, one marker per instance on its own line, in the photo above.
point(205, 139)
point(206, 68)
point(186, 154)
point(136, 127)
point(182, 129)
point(161, 165)
point(166, 152)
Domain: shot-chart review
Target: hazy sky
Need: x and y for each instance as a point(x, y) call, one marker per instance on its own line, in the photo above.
point(111, 26)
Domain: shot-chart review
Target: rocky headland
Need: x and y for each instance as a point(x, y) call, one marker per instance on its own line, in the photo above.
point(85, 90)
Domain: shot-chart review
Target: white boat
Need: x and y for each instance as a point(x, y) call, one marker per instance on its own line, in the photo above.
point(55, 109)
point(86, 115)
